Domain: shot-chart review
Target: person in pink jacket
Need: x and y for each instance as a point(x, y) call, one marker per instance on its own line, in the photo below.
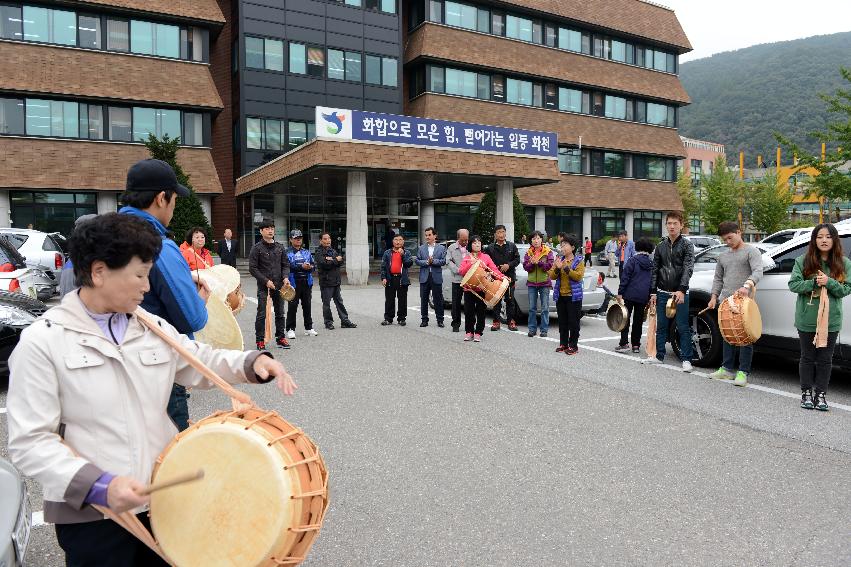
point(474, 307)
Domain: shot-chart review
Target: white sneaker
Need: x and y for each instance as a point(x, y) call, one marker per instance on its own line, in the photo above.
point(310, 333)
point(651, 360)
point(291, 334)
point(686, 366)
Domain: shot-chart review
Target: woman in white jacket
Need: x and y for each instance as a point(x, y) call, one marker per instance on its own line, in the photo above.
point(89, 388)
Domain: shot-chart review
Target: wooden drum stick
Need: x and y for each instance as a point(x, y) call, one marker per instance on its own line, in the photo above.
point(179, 479)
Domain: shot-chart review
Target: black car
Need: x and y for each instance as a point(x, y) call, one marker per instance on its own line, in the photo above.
point(17, 311)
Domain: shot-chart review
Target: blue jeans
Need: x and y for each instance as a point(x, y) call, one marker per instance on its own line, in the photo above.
point(682, 326)
point(539, 295)
point(745, 357)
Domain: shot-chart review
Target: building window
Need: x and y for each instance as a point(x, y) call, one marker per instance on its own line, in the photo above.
point(254, 133)
point(299, 133)
point(462, 83)
point(88, 28)
point(12, 116)
point(117, 35)
point(344, 65)
point(647, 224)
point(498, 86)
point(52, 118)
point(606, 222)
point(120, 124)
point(657, 114)
point(193, 129)
point(570, 100)
point(148, 38)
point(497, 23)
point(91, 121)
point(316, 61)
point(155, 121)
point(460, 15)
point(570, 40)
point(519, 92)
point(616, 107)
point(613, 164)
point(11, 23)
point(569, 160)
point(518, 28)
point(382, 70)
point(483, 20)
point(388, 6)
point(437, 75)
point(265, 54)
point(435, 11)
point(298, 58)
point(50, 26)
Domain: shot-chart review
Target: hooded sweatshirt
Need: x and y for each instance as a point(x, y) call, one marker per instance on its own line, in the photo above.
point(635, 282)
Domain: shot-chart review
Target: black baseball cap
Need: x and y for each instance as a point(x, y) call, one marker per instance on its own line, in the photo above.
point(154, 175)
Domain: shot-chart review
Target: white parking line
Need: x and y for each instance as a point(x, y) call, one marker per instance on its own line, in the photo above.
point(38, 519)
point(2, 410)
point(251, 299)
point(637, 360)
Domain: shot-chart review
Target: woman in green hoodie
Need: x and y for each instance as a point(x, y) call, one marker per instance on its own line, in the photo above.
point(823, 266)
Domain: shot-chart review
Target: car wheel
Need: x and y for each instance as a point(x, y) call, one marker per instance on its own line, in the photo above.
point(706, 338)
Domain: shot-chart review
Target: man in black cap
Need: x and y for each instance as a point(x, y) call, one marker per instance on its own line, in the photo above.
point(301, 278)
point(176, 294)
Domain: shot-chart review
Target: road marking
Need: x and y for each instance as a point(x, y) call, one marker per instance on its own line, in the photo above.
point(252, 300)
point(38, 519)
point(637, 360)
point(2, 410)
point(598, 339)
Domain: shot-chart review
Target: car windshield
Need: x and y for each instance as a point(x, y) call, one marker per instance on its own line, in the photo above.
point(710, 255)
point(16, 239)
point(9, 256)
point(778, 239)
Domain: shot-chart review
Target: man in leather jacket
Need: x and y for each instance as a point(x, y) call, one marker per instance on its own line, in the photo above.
point(673, 264)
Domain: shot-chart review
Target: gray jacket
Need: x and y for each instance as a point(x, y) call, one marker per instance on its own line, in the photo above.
point(454, 255)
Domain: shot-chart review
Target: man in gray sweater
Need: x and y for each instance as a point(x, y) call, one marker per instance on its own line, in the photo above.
point(738, 270)
point(454, 255)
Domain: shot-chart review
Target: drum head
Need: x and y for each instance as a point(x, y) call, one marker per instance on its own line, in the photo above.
point(751, 319)
point(238, 514)
point(471, 272)
point(222, 330)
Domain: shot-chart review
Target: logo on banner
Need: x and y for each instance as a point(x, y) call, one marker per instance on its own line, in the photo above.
point(334, 122)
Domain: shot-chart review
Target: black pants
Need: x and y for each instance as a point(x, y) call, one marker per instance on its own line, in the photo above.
point(436, 291)
point(474, 314)
point(588, 260)
point(105, 544)
point(620, 270)
point(510, 305)
point(457, 294)
point(816, 363)
point(328, 293)
point(303, 293)
point(568, 320)
point(634, 313)
point(393, 290)
point(178, 407)
point(277, 307)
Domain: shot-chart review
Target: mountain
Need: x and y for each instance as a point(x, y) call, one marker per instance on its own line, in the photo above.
point(739, 98)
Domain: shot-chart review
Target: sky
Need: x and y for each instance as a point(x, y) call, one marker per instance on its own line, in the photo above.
point(725, 25)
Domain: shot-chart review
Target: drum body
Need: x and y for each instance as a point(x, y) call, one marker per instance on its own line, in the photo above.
point(739, 320)
point(484, 284)
point(262, 499)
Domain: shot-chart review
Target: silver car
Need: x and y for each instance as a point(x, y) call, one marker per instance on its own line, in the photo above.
point(592, 296)
point(15, 517)
point(776, 306)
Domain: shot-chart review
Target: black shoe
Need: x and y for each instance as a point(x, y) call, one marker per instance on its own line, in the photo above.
point(402, 323)
point(531, 333)
point(385, 323)
point(348, 325)
point(424, 324)
point(330, 326)
point(821, 402)
point(543, 334)
point(807, 399)
point(456, 328)
point(440, 324)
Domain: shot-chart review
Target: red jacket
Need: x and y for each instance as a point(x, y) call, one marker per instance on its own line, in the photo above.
point(201, 261)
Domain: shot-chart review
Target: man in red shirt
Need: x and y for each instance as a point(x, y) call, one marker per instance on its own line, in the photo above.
point(394, 278)
point(588, 250)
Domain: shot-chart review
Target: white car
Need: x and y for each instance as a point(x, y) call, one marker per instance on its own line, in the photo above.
point(15, 516)
point(39, 249)
point(592, 295)
point(776, 306)
point(783, 236)
point(707, 258)
point(16, 276)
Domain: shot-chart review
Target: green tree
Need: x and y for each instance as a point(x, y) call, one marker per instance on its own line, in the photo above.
point(188, 211)
point(685, 188)
point(769, 203)
point(831, 182)
point(723, 193)
point(485, 219)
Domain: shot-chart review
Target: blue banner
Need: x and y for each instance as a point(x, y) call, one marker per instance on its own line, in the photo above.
point(413, 130)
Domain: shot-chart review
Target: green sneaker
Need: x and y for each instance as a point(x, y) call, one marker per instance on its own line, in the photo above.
point(721, 374)
point(741, 379)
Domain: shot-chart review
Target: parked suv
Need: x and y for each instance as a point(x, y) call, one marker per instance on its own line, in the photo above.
point(783, 236)
point(15, 516)
point(40, 249)
point(702, 242)
point(776, 303)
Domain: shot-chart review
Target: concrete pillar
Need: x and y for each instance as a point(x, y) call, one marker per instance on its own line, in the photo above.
point(586, 224)
point(357, 234)
point(5, 210)
point(427, 220)
point(279, 217)
point(107, 202)
point(540, 219)
point(505, 207)
point(629, 222)
point(393, 208)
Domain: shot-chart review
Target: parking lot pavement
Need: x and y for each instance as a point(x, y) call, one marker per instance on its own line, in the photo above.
point(442, 452)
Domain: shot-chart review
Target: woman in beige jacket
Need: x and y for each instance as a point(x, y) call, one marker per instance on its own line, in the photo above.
point(89, 388)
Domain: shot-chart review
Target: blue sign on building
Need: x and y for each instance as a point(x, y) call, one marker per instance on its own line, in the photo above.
point(429, 132)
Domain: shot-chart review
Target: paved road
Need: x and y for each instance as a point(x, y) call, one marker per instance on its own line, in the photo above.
point(505, 453)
